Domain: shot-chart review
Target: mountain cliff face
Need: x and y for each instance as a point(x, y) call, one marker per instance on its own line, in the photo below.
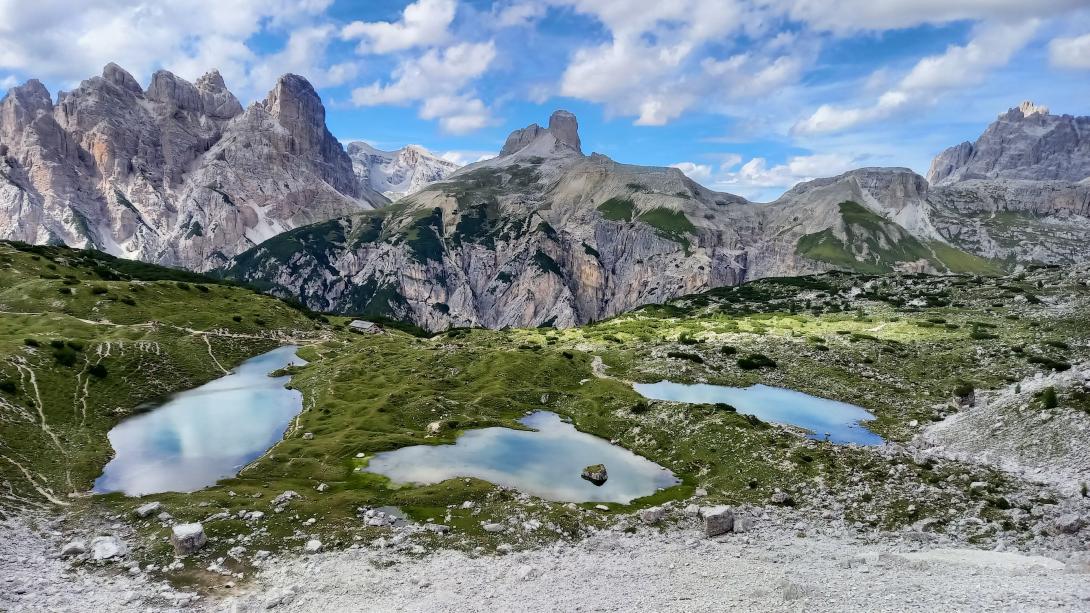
point(545, 235)
point(1025, 143)
point(178, 174)
point(397, 173)
point(1021, 192)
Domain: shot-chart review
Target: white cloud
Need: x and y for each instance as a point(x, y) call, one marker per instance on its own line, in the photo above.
point(8, 82)
point(56, 41)
point(463, 158)
point(697, 172)
point(847, 16)
point(756, 179)
point(664, 58)
point(1071, 52)
point(518, 14)
point(958, 67)
point(438, 79)
point(423, 23)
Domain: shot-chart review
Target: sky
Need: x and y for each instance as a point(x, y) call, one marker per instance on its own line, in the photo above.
point(744, 96)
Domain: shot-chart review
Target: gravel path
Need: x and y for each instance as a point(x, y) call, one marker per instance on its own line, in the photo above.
point(676, 570)
point(673, 569)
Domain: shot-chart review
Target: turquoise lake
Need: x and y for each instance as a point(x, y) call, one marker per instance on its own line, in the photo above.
point(205, 434)
point(545, 462)
point(842, 422)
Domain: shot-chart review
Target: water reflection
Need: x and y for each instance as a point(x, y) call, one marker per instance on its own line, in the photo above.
point(819, 415)
point(205, 434)
point(545, 462)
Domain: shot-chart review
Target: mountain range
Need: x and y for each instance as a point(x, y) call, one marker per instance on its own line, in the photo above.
point(545, 235)
point(397, 173)
point(542, 234)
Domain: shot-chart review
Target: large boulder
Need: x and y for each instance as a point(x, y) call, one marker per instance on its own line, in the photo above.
point(107, 548)
point(146, 510)
point(596, 474)
point(188, 538)
point(717, 520)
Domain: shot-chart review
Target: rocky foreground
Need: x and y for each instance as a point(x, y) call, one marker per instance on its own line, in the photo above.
point(782, 559)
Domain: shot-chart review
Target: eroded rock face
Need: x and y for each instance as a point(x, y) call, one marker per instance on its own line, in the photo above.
point(1025, 143)
point(178, 174)
point(544, 235)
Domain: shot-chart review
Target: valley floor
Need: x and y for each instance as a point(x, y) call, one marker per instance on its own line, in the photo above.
point(790, 562)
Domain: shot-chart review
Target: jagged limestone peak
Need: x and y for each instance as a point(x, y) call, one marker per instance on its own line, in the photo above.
point(1029, 108)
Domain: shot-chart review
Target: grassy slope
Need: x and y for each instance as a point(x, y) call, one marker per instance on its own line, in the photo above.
point(151, 337)
point(875, 245)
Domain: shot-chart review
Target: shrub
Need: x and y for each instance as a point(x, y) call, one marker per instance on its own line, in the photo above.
point(1058, 345)
point(30, 342)
point(681, 355)
point(639, 407)
point(728, 350)
point(7, 385)
point(98, 290)
point(203, 288)
point(56, 343)
point(65, 290)
point(237, 318)
point(260, 322)
point(1048, 398)
point(963, 389)
point(722, 406)
point(76, 345)
point(182, 285)
point(687, 339)
point(128, 300)
point(978, 334)
point(754, 361)
point(98, 370)
point(1047, 362)
point(65, 356)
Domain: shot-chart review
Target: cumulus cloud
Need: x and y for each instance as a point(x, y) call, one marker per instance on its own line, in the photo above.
point(757, 179)
point(1071, 52)
point(960, 66)
point(663, 58)
point(847, 16)
point(438, 79)
point(517, 14)
point(55, 41)
point(423, 23)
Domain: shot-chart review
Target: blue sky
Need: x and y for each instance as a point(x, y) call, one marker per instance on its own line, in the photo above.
point(746, 96)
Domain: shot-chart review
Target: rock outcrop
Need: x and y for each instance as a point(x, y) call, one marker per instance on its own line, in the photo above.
point(395, 174)
point(178, 174)
point(1026, 143)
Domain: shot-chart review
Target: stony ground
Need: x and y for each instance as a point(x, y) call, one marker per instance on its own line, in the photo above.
point(788, 562)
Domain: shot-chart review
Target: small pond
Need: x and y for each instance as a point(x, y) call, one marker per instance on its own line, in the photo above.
point(545, 462)
point(205, 434)
point(840, 420)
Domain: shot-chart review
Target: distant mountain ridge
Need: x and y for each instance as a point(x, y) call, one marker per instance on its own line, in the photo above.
point(545, 235)
point(177, 174)
point(397, 173)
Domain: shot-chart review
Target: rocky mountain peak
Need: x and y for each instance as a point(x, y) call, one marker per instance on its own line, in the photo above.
point(1029, 108)
point(120, 77)
point(216, 99)
point(563, 132)
point(1025, 143)
point(166, 88)
point(565, 127)
point(297, 107)
point(21, 105)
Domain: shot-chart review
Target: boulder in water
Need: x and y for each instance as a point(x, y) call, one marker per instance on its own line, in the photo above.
point(596, 474)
